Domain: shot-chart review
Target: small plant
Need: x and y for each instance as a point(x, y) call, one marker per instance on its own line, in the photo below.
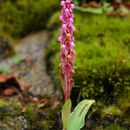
point(74, 120)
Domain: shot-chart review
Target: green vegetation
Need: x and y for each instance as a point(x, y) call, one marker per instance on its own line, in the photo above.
point(114, 126)
point(18, 112)
point(18, 18)
point(112, 110)
point(103, 57)
point(102, 64)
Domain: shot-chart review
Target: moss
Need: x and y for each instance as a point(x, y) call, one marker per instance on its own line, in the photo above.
point(43, 119)
point(54, 21)
point(18, 112)
point(30, 113)
point(2, 103)
point(112, 110)
point(115, 126)
point(21, 17)
point(123, 103)
point(102, 64)
point(102, 61)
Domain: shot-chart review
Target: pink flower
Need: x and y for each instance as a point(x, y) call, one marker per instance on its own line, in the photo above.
point(67, 54)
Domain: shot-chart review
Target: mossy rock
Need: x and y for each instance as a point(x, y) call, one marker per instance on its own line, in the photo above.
point(18, 112)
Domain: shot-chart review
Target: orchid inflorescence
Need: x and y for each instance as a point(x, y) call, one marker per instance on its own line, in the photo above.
point(71, 120)
point(67, 54)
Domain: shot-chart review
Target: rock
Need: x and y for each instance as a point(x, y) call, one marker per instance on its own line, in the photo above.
point(34, 69)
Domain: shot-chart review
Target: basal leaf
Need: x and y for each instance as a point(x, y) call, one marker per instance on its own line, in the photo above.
point(77, 117)
point(66, 112)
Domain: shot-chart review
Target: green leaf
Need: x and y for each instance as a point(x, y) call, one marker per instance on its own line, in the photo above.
point(66, 112)
point(77, 117)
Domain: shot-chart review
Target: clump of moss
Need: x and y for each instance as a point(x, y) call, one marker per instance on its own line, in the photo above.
point(44, 119)
point(112, 110)
point(19, 112)
point(54, 21)
point(124, 101)
point(124, 104)
point(102, 62)
point(115, 126)
point(2, 103)
point(19, 18)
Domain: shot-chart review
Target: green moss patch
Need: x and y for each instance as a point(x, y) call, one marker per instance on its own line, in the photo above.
point(19, 18)
point(102, 61)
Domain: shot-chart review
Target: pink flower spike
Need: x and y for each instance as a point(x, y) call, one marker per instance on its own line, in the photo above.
point(67, 53)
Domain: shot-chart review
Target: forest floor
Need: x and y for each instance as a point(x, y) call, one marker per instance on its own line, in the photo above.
point(37, 109)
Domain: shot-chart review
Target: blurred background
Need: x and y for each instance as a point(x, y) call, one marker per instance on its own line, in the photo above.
point(29, 54)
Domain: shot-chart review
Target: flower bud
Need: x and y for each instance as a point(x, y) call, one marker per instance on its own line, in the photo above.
point(62, 47)
point(68, 36)
point(69, 57)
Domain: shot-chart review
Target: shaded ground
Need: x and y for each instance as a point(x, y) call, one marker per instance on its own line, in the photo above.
point(24, 111)
point(33, 69)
